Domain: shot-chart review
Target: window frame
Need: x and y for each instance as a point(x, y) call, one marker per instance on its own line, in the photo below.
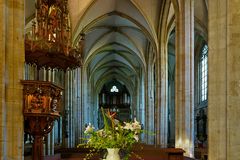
point(203, 56)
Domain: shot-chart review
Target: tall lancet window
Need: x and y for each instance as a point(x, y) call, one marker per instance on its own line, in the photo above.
point(203, 73)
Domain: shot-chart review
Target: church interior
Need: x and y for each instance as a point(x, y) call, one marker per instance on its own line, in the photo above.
point(174, 65)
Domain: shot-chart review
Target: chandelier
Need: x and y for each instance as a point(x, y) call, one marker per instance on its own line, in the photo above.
point(49, 43)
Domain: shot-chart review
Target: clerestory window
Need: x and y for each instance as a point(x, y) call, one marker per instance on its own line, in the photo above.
point(203, 73)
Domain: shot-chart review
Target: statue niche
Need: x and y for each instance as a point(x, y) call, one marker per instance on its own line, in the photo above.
point(201, 126)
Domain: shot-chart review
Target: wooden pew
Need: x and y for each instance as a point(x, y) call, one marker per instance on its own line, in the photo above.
point(146, 152)
point(151, 152)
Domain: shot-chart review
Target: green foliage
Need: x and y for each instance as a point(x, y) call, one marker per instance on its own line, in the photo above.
point(113, 135)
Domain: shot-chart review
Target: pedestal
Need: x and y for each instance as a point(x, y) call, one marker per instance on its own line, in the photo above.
point(41, 108)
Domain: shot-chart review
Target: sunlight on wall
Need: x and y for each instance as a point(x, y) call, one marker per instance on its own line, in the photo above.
point(186, 145)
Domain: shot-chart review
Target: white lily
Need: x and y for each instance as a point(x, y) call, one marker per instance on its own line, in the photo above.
point(136, 137)
point(128, 126)
point(89, 128)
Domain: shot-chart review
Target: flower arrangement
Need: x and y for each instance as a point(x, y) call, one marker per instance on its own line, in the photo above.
point(114, 134)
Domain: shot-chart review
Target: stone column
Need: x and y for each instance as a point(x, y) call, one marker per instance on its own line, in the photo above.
point(149, 92)
point(11, 72)
point(71, 108)
point(79, 112)
point(50, 143)
point(85, 98)
point(3, 42)
point(162, 80)
point(184, 74)
point(224, 80)
point(66, 110)
point(141, 99)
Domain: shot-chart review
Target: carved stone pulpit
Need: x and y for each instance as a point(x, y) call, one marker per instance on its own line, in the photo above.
point(42, 103)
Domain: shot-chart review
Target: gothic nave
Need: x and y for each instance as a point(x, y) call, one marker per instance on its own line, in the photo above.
point(171, 64)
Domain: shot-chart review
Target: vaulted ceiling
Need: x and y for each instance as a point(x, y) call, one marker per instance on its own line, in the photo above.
point(118, 34)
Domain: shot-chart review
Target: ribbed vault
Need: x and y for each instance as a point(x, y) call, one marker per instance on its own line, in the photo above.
point(117, 37)
point(132, 42)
